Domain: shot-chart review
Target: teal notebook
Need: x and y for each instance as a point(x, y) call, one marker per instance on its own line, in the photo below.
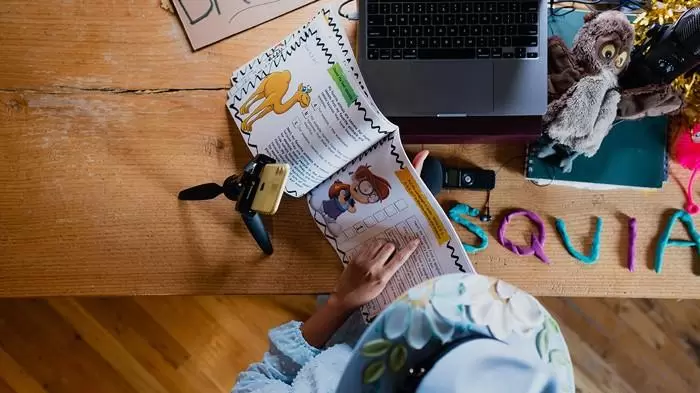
point(632, 155)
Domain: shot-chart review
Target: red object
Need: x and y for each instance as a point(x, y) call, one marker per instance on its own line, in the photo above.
point(686, 151)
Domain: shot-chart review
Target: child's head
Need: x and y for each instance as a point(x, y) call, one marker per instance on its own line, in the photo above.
point(497, 368)
point(368, 187)
point(461, 333)
point(337, 189)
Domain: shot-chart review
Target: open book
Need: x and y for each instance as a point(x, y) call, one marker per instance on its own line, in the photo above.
point(304, 102)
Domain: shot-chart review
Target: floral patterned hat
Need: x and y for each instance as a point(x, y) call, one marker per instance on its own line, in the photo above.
point(461, 333)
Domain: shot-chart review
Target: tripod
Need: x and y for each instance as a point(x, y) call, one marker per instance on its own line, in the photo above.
point(234, 189)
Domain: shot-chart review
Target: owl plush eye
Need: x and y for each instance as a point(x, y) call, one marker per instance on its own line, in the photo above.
point(608, 51)
point(620, 60)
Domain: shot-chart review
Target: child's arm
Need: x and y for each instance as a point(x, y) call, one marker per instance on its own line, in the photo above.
point(288, 353)
point(292, 345)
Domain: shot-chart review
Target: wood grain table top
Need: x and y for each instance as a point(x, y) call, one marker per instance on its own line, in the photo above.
point(106, 113)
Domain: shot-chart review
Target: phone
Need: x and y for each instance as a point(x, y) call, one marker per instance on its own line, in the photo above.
point(273, 178)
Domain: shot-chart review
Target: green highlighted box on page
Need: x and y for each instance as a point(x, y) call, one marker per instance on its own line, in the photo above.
point(345, 87)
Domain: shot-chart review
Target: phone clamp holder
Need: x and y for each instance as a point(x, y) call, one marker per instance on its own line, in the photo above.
point(241, 189)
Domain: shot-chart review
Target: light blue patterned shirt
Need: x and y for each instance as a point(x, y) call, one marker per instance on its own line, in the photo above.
point(293, 366)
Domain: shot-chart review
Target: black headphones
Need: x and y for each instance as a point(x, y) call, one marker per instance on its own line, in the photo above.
point(485, 215)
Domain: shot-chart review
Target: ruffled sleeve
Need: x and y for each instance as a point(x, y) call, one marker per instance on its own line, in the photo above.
point(288, 353)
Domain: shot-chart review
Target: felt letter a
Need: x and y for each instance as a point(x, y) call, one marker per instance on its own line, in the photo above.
point(665, 239)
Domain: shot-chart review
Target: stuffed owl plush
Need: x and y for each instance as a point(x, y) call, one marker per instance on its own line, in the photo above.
point(583, 87)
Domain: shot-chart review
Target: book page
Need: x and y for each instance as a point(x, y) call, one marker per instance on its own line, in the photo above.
point(379, 195)
point(300, 103)
point(337, 36)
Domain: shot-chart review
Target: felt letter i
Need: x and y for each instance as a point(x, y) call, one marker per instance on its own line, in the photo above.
point(595, 247)
point(665, 239)
point(632, 241)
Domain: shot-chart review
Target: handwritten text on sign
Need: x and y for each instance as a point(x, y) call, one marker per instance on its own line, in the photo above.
point(208, 21)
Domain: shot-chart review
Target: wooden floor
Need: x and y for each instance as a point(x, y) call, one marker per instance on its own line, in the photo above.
point(199, 344)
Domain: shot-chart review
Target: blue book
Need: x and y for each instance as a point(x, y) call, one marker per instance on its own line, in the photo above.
point(632, 155)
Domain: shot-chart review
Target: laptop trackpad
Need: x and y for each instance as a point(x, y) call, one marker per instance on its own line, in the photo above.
point(450, 88)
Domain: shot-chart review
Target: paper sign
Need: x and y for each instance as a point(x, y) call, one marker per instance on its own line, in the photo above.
point(209, 21)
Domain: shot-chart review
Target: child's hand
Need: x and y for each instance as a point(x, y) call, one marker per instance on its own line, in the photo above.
point(343, 196)
point(419, 159)
point(366, 276)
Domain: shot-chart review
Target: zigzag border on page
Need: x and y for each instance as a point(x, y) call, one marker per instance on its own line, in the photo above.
point(455, 257)
point(393, 152)
point(334, 26)
point(354, 161)
point(370, 121)
point(258, 60)
point(234, 111)
point(336, 30)
point(324, 49)
point(363, 155)
point(291, 192)
point(252, 84)
point(328, 235)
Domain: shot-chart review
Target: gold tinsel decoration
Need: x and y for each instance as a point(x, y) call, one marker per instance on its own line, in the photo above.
point(668, 12)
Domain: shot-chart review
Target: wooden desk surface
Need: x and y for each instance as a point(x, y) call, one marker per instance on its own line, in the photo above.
point(106, 113)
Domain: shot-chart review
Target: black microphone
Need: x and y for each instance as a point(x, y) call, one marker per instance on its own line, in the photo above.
point(437, 177)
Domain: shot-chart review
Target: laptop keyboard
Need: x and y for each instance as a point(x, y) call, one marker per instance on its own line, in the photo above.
point(407, 29)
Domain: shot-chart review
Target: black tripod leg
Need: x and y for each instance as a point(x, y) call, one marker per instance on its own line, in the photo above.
point(257, 229)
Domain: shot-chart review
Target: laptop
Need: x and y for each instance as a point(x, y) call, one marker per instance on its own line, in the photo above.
point(456, 59)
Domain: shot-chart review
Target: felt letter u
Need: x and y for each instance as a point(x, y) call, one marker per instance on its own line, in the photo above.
point(595, 247)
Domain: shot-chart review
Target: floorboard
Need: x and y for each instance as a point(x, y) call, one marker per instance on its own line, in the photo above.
point(199, 344)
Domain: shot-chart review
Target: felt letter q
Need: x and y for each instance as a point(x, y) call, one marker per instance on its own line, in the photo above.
point(537, 245)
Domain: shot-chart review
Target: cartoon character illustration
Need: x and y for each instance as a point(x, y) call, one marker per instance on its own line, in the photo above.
point(366, 188)
point(273, 89)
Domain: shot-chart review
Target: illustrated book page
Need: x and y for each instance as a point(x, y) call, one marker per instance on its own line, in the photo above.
point(303, 102)
point(379, 195)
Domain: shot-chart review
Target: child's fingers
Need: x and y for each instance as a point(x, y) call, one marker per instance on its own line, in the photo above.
point(384, 253)
point(373, 248)
point(419, 159)
point(400, 257)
